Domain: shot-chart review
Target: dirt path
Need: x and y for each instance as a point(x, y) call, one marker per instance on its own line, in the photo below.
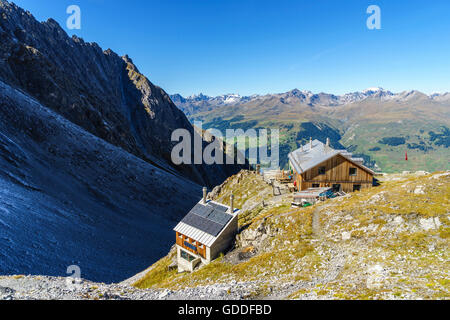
point(316, 228)
point(317, 232)
point(334, 266)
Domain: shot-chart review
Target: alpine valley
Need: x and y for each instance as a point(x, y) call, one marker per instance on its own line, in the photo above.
point(375, 124)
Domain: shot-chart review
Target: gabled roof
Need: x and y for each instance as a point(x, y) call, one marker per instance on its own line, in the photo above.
point(205, 222)
point(306, 157)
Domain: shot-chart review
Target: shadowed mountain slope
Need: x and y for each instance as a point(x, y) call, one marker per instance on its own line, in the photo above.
point(85, 171)
point(103, 93)
point(67, 197)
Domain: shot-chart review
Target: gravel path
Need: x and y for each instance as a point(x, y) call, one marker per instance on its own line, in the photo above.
point(316, 223)
point(334, 266)
point(51, 288)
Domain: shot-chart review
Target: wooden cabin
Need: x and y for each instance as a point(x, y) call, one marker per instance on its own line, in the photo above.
point(206, 231)
point(317, 165)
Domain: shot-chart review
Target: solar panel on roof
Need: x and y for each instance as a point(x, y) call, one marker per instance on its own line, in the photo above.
point(206, 225)
point(224, 218)
point(210, 218)
point(196, 209)
point(218, 207)
point(212, 228)
point(219, 217)
point(213, 216)
point(201, 210)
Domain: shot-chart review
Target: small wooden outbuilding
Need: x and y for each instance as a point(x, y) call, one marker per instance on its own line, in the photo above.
point(206, 231)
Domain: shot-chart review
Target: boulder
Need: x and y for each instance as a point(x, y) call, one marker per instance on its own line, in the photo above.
point(346, 235)
point(430, 223)
point(419, 190)
point(376, 277)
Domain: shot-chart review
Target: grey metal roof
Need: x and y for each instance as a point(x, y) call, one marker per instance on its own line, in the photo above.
point(306, 158)
point(205, 222)
point(195, 234)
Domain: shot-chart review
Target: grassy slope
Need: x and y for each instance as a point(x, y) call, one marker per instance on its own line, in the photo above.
point(366, 137)
point(370, 121)
point(308, 250)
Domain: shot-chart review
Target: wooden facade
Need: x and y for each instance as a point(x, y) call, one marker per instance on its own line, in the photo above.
point(182, 241)
point(339, 173)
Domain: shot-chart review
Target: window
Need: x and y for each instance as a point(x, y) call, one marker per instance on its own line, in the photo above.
point(316, 185)
point(190, 246)
point(352, 172)
point(322, 170)
point(356, 187)
point(186, 256)
point(336, 187)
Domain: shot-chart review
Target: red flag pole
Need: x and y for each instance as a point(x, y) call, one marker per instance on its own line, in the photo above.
point(406, 155)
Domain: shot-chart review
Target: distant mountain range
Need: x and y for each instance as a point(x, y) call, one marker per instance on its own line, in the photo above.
point(377, 124)
point(201, 103)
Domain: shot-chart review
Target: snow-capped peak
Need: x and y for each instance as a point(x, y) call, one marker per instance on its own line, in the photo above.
point(310, 98)
point(373, 90)
point(198, 97)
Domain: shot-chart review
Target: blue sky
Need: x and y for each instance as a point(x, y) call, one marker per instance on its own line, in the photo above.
point(256, 47)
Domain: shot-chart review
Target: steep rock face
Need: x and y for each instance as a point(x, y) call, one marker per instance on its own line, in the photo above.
point(85, 171)
point(69, 198)
point(97, 90)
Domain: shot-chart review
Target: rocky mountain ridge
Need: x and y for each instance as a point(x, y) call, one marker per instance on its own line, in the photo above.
point(201, 103)
point(85, 169)
point(103, 93)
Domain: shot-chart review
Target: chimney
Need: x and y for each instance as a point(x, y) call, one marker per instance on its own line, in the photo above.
point(310, 143)
point(232, 203)
point(328, 142)
point(205, 190)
